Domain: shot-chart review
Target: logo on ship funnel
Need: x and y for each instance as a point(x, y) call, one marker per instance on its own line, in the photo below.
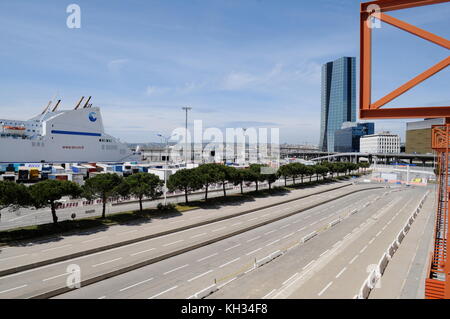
point(93, 116)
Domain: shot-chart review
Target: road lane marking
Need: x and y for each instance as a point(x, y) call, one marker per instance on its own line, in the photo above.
point(286, 281)
point(252, 252)
point(341, 272)
point(378, 234)
point(270, 232)
point(199, 276)
point(322, 219)
point(143, 251)
point(230, 262)
point(250, 240)
point(288, 235)
point(107, 262)
point(337, 244)
point(310, 263)
point(161, 293)
point(175, 242)
point(282, 227)
point(54, 248)
point(202, 234)
point(237, 224)
point(8, 290)
point(137, 284)
point(364, 248)
point(274, 242)
point(204, 258)
point(255, 218)
point(232, 247)
point(324, 289)
point(303, 228)
point(371, 241)
point(269, 294)
point(312, 224)
point(54, 277)
point(175, 269)
point(324, 252)
point(13, 257)
point(219, 229)
point(91, 240)
point(353, 259)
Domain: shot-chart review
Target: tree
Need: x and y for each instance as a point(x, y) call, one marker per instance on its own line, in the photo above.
point(103, 186)
point(144, 184)
point(13, 195)
point(285, 172)
point(47, 193)
point(225, 174)
point(321, 170)
point(208, 174)
point(270, 178)
point(186, 180)
point(238, 177)
point(254, 174)
point(310, 171)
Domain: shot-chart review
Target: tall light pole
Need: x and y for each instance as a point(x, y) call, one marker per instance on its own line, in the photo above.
point(187, 109)
point(167, 138)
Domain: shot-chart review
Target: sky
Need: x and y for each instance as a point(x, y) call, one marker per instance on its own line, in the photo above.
point(237, 63)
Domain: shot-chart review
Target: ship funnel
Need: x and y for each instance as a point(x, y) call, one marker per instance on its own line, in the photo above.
point(56, 106)
point(87, 102)
point(79, 102)
point(45, 110)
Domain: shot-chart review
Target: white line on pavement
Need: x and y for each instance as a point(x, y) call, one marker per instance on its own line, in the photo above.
point(219, 229)
point(324, 252)
point(282, 227)
point(287, 280)
point(13, 257)
point(175, 269)
point(362, 250)
point(161, 293)
point(275, 241)
point(107, 262)
point(288, 235)
point(230, 262)
point(250, 240)
point(54, 248)
point(54, 277)
point(309, 264)
point(353, 259)
point(143, 251)
point(270, 232)
point(204, 258)
point(8, 290)
point(254, 251)
point(137, 284)
point(202, 234)
point(269, 294)
point(175, 242)
point(341, 272)
point(324, 289)
point(201, 275)
point(237, 224)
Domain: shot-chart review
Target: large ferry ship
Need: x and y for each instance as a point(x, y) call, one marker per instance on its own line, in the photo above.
point(66, 136)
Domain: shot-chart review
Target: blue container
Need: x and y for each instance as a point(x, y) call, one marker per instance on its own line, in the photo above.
point(118, 168)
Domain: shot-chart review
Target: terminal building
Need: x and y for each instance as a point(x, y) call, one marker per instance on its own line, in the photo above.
point(418, 136)
point(382, 143)
point(347, 139)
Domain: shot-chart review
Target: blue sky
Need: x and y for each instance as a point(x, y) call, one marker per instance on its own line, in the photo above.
point(238, 63)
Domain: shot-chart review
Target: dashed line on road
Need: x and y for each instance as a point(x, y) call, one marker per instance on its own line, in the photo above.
point(204, 258)
point(54, 277)
point(173, 243)
point(229, 248)
point(364, 248)
point(324, 252)
point(13, 257)
point(199, 276)
point(253, 251)
point(137, 284)
point(202, 234)
point(107, 262)
point(141, 252)
point(250, 240)
point(309, 264)
point(353, 259)
point(219, 229)
point(175, 269)
point(54, 248)
point(274, 242)
point(230, 262)
point(165, 291)
point(341, 272)
point(287, 280)
point(8, 290)
point(325, 289)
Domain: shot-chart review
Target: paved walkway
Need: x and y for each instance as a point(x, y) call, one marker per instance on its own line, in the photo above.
point(404, 277)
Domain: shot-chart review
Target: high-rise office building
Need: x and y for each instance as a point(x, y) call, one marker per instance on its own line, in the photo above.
point(338, 99)
point(347, 138)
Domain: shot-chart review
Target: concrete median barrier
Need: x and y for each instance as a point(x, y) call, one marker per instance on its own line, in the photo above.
point(334, 222)
point(309, 236)
point(206, 292)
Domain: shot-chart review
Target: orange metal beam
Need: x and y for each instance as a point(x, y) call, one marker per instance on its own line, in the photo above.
point(412, 83)
point(401, 113)
point(391, 5)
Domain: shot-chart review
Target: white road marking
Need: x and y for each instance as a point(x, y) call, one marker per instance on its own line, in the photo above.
point(252, 252)
point(270, 232)
point(353, 259)
point(341, 272)
point(54, 277)
point(324, 252)
point(378, 234)
point(161, 293)
point(54, 248)
point(371, 241)
point(175, 242)
point(337, 244)
point(310, 263)
point(230, 262)
point(274, 242)
point(287, 280)
point(219, 229)
point(237, 224)
point(303, 228)
point(13, 257)
point(288, 235)
point(175, 269)
point(250, 240)
point(282, 227)
point(322, 219)
point(199, 276)
point(141, 252)
point(269, 294)
point(324, 289)
point(91, 240)
point(137, 284)
point(202, 234)
point(232, 247)
point(204, 258)
point(8, 290)
point(312, 224)
point(107, 262)
point(255, 218)
point(177, 221)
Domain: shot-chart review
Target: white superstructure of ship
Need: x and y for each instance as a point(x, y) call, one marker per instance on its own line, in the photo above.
point(65, 136)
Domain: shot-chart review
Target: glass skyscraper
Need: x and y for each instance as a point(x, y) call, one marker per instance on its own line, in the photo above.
point(338, 99)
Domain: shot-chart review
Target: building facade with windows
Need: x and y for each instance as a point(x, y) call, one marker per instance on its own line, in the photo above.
point(347, 139)
point(418, 136)
point(382, 143)
point(338, 99)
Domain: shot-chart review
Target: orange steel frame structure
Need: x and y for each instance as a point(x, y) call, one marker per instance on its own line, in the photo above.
point(438, 282)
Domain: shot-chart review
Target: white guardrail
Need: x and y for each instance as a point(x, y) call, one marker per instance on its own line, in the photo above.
point(377, 272)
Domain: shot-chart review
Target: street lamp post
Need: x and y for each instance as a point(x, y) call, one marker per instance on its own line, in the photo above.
point(166, 138)
point(187, 109)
